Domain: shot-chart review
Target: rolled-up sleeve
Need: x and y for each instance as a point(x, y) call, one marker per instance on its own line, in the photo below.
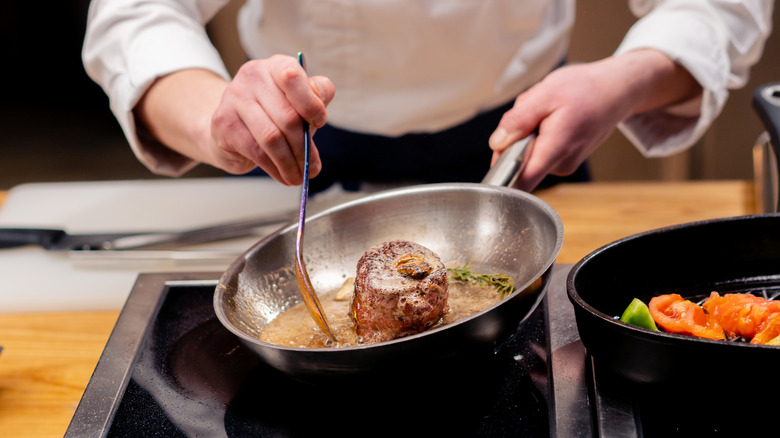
point(131, 43)
point(717, 41)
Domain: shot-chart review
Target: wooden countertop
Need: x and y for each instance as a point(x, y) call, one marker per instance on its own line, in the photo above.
point(47, 359)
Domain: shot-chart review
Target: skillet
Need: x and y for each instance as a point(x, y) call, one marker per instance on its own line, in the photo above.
point(737, 254)
point(492, 227)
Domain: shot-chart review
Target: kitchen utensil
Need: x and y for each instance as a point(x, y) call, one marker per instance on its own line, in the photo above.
point(153, 258)
point(766, 102)
point(507, 171)
point(61, 240)
point(494, 229)
point(308, 293)
point(739, 254)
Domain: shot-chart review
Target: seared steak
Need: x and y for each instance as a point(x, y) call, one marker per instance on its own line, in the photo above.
point(400, 289)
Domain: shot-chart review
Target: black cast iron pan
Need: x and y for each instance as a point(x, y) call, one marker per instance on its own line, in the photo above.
point(738, 254)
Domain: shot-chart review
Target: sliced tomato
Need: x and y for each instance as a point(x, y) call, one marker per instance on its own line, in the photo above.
point(740, 314)
point(677, 315)
point(769, 331)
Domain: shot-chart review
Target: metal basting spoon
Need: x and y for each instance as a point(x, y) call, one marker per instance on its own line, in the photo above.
point(304, 283)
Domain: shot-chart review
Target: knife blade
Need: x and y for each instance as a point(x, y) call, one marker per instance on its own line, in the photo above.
point(61, 240)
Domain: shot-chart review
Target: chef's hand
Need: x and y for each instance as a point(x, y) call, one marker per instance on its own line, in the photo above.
point(258, 121)
point(577, 107)
point(253, 120)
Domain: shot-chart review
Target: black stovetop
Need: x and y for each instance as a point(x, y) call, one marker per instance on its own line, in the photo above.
point(171, 369)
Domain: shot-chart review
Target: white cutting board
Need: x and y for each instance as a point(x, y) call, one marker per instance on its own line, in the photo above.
point(35, 280)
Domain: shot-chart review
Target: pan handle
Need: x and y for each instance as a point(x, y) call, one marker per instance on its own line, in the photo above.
point(766, 102)
point(511, 164)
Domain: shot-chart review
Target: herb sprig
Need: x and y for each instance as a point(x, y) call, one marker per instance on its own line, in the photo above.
point(503, 283)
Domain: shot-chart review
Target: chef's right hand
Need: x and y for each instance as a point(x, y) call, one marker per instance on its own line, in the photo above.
point(258, 120)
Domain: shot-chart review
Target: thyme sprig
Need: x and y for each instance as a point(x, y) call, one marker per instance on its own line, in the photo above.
point(503, 283)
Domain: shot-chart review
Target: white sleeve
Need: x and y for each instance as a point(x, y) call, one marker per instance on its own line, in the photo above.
point(130, 43)
point(717, 41)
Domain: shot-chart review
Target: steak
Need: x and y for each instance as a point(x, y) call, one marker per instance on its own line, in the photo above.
point(400, 289)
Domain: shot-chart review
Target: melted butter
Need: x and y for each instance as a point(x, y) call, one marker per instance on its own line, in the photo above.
point(295, 327)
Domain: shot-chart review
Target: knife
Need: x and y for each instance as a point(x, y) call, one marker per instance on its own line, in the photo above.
point(61, 240)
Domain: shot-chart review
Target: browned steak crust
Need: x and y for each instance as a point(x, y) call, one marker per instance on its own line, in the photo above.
point(400, 289)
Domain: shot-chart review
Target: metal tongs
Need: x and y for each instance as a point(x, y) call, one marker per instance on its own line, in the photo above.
point(172, 245)
point(304, 283)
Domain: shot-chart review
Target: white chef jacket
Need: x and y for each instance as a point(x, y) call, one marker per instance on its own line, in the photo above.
point(406, 66)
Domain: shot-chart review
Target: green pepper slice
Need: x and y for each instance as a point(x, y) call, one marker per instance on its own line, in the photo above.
point(638, 314)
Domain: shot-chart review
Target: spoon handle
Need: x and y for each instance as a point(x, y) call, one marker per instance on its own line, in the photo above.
point(302, 276)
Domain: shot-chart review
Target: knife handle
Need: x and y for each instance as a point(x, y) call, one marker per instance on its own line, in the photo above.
point(13, 237)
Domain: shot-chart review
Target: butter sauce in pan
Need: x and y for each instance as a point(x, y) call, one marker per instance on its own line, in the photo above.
point(401, 289)
point(295, 328)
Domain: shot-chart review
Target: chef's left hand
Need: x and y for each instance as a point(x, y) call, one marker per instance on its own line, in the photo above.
point(577, 107)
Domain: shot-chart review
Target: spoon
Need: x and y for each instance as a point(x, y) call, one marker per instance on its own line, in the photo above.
point(304, 283)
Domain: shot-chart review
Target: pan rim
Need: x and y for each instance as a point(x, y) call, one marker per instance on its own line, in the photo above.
point(373, 197)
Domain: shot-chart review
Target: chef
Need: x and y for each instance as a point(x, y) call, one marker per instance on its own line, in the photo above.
point(412, 90)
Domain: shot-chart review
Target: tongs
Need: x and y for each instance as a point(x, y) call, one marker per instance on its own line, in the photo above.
point(304, 283)
point(60, 240)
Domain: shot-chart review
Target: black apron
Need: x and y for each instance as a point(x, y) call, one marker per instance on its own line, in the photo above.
point(457, 154)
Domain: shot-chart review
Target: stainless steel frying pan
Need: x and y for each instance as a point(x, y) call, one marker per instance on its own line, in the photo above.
point(494, 229)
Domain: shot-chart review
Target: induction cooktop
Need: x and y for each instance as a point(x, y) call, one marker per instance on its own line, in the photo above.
point(170, 369)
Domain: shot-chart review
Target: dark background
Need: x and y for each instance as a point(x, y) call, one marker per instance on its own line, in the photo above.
point(55, 123)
